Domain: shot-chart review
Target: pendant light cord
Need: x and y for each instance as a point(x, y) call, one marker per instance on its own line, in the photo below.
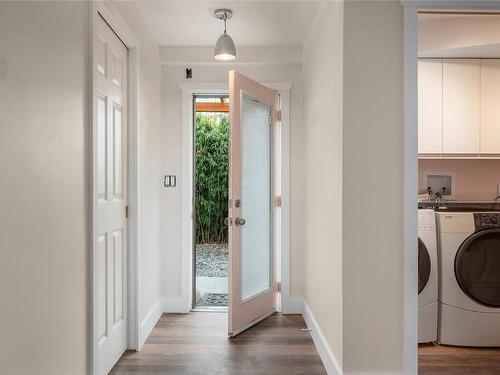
point(225, 19)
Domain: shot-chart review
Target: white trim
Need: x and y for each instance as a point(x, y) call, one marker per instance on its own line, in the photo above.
point(120, 27)
point(331, 363)
point(149, 322)
point(291, 305)
point(288, 306)
point(411, 8)
point(174, 305)
point(410, 193)
point(223, 88)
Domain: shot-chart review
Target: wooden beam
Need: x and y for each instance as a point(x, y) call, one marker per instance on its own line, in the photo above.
point(212, 107)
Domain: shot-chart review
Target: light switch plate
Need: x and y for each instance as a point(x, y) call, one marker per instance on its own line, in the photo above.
point(170, 181)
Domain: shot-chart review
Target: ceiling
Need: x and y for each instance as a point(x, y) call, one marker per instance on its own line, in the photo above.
point(254, 23)
point(459, 35)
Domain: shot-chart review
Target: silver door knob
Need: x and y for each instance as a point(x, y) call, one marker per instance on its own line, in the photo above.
point(228, 221)
point(239, 221)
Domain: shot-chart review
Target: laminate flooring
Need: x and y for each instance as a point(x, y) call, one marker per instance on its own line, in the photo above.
point(197, 344)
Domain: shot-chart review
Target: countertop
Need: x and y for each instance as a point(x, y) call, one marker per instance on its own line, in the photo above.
point(454, 205)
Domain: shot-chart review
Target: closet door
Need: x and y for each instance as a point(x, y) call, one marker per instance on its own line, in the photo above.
point(490, 106)
point(430, 106)
point(461, 106)
point(110, 258)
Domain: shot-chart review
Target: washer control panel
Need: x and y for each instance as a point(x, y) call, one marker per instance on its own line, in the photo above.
point(426, 220)
point(487, 220)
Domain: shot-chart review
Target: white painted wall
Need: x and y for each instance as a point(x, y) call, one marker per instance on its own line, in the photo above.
point(150, 155)
point(172, 127)
point(321, 222)
point(372, 259)
point(44, 188)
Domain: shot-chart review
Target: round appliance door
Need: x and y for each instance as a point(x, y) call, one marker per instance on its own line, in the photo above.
point(424, 265)
point(477, 267)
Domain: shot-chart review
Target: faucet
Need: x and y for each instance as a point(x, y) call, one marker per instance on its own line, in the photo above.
point(429, 192)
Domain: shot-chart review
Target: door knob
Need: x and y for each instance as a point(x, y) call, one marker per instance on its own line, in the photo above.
point(228, 221)
point(239, 221)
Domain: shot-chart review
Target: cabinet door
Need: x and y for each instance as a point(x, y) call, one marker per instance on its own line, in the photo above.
point(461, 90)
point(490, 106)
point(430, 106)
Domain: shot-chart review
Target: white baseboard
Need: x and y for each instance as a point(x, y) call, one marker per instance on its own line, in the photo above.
point(292, 305)
point(149, 322)
point(175, 305)
point(329, 361)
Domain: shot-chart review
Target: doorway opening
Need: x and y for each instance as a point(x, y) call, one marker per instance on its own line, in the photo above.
point(454, 75)
point(210, 202)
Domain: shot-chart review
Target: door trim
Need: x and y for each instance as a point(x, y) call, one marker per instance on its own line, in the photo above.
point(286, 304)
point(111, 15)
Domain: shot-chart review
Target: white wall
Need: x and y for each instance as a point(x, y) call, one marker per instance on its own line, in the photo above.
point(322, 208)
point(373, 287)
point(44, 189)
point(150, 159)
point(172, 125)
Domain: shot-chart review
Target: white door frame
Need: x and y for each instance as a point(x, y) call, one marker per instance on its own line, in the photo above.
point(411, 8)
point(289, 305)
point(110, 14)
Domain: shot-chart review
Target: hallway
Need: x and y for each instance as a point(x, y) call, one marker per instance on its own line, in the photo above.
point(197, 343)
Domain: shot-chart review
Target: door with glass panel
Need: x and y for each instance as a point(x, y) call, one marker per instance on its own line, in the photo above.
point(252, 287)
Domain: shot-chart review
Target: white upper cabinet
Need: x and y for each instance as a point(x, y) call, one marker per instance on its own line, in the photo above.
point(461, 106)
point(490, 107)
point(430, 106)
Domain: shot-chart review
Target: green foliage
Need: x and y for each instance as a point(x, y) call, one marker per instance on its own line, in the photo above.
point(211, 177)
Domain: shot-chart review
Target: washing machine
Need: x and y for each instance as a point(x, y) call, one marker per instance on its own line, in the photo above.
point(469, 295)
point(427, 277)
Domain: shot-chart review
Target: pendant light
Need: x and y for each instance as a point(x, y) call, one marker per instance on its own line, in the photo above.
point(224, 48)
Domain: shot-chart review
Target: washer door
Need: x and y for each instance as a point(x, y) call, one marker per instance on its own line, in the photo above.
point(424, 266)
point(477, 267)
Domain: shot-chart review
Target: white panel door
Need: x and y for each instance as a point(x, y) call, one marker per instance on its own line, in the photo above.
point(430, 106)
point(461, 103)
point(111, 258)
point(490, 106)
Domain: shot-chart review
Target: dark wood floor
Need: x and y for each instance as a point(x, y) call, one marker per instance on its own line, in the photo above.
point(197, 344)
point(437, 360)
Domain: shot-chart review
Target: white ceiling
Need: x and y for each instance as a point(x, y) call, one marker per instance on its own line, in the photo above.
point(459, 35)
point(254, 23)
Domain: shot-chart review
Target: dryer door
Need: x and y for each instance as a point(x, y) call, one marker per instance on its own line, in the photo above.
point(424, 265)
point(477, 267)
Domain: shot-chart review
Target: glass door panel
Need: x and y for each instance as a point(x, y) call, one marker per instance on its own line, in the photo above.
point(256, 255)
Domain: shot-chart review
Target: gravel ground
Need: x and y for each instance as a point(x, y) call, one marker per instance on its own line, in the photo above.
point(211, 260)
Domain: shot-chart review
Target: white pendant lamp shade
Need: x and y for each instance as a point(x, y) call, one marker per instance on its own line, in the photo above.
point(224, 48)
